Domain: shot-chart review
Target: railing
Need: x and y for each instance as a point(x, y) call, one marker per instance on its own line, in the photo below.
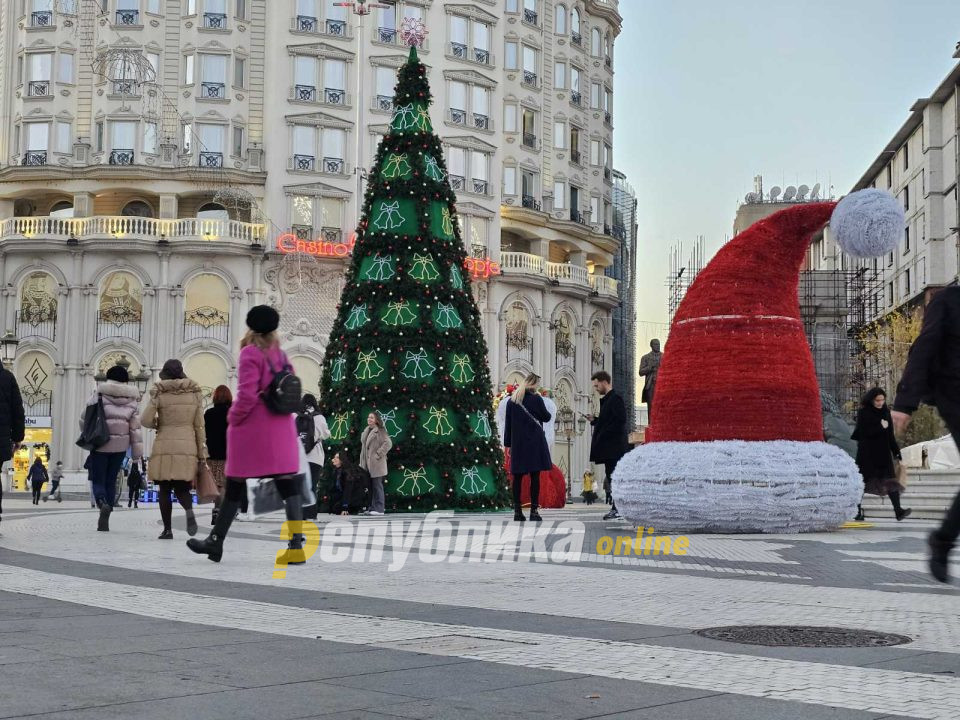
point(215, 21)
point(306, 23)
point(37, 322)
point(306, 93)
point(607, 174)
point(121, 157)
point(38, 88)
point(125, 87)
point(530, 140)
point(334, 96)
point(41, 18)
point(530, 17)
point(607, 118)
point(387, 35)
point(136, 227)
point(575, 157)
point(302, 232)
point(38, 404)
point(457, 182)
point(605, 286)
point(576, 39)
point(576, 98)
point(128, 17)
point(331, 234)
point(34, 157)
point(578, 217)
point(458, 117)
point(336, 27)
point(481, 122)
point(479, 250)
point(304, 162)
point(607, 230)
point(206, 323)
point(481, 56)
point(333, 165)
point(529, 78)
point(530, 202)
point(518, 263)
point(480, 186)
point(608, 61)
point(211, 159)
point(113, 324)
point(384, 102)
point(568, 274)
point(521, 263)
point(217, 90)
point(458, 50)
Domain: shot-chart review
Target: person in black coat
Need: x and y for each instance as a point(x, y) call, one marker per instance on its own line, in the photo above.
point(215, 427)
point(523, 434)
point(609, 441)
point(350, 485)
point(37, 477)
point(12, 427)
point(932, 376)
point(876, 449)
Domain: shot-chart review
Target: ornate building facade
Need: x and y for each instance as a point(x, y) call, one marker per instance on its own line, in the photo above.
point(161, 171)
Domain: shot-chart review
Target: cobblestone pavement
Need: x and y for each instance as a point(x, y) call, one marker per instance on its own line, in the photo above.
point(122, 623)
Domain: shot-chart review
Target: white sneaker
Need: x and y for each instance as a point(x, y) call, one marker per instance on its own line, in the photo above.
point(374, 512)
point(244, 517)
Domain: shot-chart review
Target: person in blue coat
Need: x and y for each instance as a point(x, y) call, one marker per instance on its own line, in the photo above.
point(523, 434)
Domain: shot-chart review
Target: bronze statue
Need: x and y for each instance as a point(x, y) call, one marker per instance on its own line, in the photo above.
point(649, 365)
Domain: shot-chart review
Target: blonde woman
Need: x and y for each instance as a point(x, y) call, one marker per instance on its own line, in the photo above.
point(375, 443)
point(523, 434)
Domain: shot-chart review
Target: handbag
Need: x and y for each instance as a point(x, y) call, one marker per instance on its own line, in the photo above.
point(262, 497)
point(207, 491)
point(95, 432)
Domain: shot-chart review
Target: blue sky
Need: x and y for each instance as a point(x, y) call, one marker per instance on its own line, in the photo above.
point(708, 94)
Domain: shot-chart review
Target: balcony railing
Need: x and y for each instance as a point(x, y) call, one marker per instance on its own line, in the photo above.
point(333, 165)
point(384, 102)
point(215, 21)
point(38, 88)
point(41, 18)
point(458, 50)
point(387, 35)
point(37, 321)
point(302, 232)
point(608, 61)
point(125, 87)
point(336, 27)
point(211, 159)
point(458, 117)
point(563, 274)
point(605, 286)
point(306, 23)
point(529, 78)
point(128, 17)
point(607, 118)
point(480, 186)
point(457, 182)
point(530, 17)
point(577, 217)
point(216, 90)
point(513, 263)
point(132, 227)
point(530, 202)
point(305, 93)
point(331, 234)
point(121, 157)
point(576, 98)
point(481, 56)
point(34, 157)
point(575, 157)
point(607, 175)
point(576, 39)
point(481, 122)
point(206, 323)
point(334, 96)
point(38, 404)
point(607, 230)
point(306, 163)
point(119, 323)
point(568, 274)
point(530, 140)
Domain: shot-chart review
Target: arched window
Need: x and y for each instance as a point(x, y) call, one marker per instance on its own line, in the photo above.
point(213, 211)
point(575, 21)
point(598, 357)
point(208, 371)
point(62, 209)
point(120, 312)
point(560, 20)
point(117, 358)
point(595, 42)
point(137, 208)
point(37, 316)
point(519, 340)
point(564, 345)
point(35, 375)
point(206, 313)
point(308, 370)
point(607, 46)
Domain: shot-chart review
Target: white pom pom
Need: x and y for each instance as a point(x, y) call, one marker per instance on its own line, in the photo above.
point(868, 223)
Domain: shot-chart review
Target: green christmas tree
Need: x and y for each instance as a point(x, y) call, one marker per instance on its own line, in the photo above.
point(407, 342)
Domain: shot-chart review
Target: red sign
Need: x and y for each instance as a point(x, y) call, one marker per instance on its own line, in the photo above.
point(481, 268)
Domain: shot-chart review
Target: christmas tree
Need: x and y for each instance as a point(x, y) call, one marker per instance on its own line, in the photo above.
point(407, 342)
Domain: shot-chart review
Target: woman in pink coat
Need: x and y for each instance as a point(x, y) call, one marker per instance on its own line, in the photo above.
point(260, 443)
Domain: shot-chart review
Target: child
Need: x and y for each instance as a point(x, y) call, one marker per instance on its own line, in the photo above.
point(588, 493)
point(134, 483)
point(56, 476)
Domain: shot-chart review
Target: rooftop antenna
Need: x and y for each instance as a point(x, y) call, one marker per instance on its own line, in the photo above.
point(774, 193)
point(789, 193)
point(815, 193)
point(802, 193)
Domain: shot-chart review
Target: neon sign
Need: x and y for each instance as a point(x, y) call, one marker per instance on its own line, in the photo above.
point(481, 268)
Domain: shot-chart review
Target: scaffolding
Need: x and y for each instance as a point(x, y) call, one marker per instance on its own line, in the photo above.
point(681, 276)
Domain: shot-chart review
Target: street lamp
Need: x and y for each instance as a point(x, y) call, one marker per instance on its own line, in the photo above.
point(142, 381)
point(570, 427)
point(8, 347)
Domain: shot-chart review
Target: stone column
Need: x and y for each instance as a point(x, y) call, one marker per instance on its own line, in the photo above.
point(83, 204)
point(169, 206)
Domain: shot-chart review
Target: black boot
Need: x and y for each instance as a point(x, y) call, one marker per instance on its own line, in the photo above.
point(518, 515)
point(191, 523)
point(295, 554)
point(103, 523)
point(937, 562)
point(535, 516)
point(212, 545)
point(859, 517)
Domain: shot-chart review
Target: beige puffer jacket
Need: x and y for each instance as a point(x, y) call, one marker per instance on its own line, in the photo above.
point(175, 411)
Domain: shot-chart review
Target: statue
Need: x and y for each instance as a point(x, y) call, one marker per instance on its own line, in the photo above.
point(649, 365)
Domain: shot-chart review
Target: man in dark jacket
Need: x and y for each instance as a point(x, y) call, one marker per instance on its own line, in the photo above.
point(609, 442)
point(932, 376)
point(11, 420)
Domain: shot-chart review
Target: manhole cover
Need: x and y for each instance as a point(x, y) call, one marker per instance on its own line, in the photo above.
point(801, 636)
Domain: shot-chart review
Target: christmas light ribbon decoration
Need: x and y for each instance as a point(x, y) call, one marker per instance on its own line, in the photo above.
point(389, 217)
point(367, 366)
point(412, 367)
point(447, 222)
point(456, 278)
point(338, 370)
point(472, 476)
point(424, 268)
point(381, 269)
point(422, 121)
point(415, 477)
point(397, 166)
point(404, 117)
point(462, 369)
point(340, 427)
point(432, 169)
point(447, 317)
point(358, 317)
point(390, 423)
point(399, 313)
point(438, 422)
point(481, 425)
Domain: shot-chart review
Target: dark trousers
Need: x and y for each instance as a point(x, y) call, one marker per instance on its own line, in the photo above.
point(133, 494)
point(949, 530)
point(180, 488)
point(103, 469)
point(609, 466)
point(534, 491)
point(37, 487)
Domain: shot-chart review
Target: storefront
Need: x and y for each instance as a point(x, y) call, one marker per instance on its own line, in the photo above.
point(36, 442)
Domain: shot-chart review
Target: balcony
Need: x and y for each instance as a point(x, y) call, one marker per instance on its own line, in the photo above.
point(334, 96)
point(306, 23)
point(119, 322)
point(607, 118)
point(336, 27)
point(126, 87)
point(331, 234)
point(458, 117)
point(215, 21)
point(124, 227)
point(37, 322)
point(458, 50)
point(530, 17)
point(213, 90)
point(481, 187)
point(608, 62)
point(530, 202)
point(578, 217)
point(518, 264)
point(304, 163)
point(302, 232)
point(605, 286)
point(121, 157)
point(576, 158)
point(384, 103)
point(38, 88)
point(211, 159)
point(481, 122)
point(576, 39)
point(530, 78)
point(387, 35)
point(530, 140)
point(334, 166)
point(481, 56)
point(34, 157)
point(305, 93)
point(206, 323)
point(128, 17)
point(607, 174)
point(576, 98)
point(41, 18)
point(568, 274)
point(607, 230)
point(457, 182)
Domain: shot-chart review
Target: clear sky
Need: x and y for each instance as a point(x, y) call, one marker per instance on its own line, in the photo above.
point(708, 94)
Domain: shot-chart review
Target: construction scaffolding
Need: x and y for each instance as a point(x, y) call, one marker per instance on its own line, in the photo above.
point(682, 274)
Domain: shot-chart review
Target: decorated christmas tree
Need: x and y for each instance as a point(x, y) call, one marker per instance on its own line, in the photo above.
point(407, 342)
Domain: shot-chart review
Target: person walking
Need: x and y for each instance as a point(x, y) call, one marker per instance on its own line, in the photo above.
point(313, 430)
point(37, 476)
point(12, 422)
point(523, 434)
point(56, 476)
point(215, 426)
point(609, 441)
point(375, 443)
point(134, 485)
point(932, 375)
point(175, 411)
point(121, 404)
point(261, 443)
point(876, 450)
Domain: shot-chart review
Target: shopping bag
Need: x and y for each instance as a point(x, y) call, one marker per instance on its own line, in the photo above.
point(206, 488)
point(95, 432)
point(901, 471)
point(309, 498)
point(262, 497)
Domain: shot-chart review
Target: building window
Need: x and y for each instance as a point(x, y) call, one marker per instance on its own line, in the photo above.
point(334, 142)
point(39, 74)
point(150, 138)
point(214, 79)
point(906, 155)
point(530, 12)
point(66, 69)
point(191, 7)
point(211, 144)
point(575, 144)
point(906, 281)
point(906, 198)
point(509, 181)
point(512, 6)
point(595, 95)
point(510, 55)
point(128, 12)
point(906, 239)
point(890, 294)
point(240, 9)
point(480, 107)
point(123, 142)
point(98, 131)
point(64, 138)
point(154, 60)
point(215, 14)
point(530, 128)
point(239, 72)
point(559, 195)
point(889, 176)
point(531, 65)
point(237, 141)
point(575, 25)
point(510, 117)
point(596, 40)
point(595, 152)
point(469, 40)
point(560, 20)
point(575, 74)
point(187, 138)
point(595, 216)
point(335, 82)
point(386, 86)
point(305, 148)
point(560, 75)
point(559, 134)
point(305, 74)
point(188, 70)
point(387, 29)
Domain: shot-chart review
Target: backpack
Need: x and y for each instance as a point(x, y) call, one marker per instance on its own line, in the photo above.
point(284, 393)
point(307, 430)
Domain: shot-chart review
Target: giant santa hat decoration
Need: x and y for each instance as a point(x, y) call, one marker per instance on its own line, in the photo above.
point(735, 442)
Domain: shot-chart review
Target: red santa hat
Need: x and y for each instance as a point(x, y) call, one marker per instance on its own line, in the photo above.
point(735, 442)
